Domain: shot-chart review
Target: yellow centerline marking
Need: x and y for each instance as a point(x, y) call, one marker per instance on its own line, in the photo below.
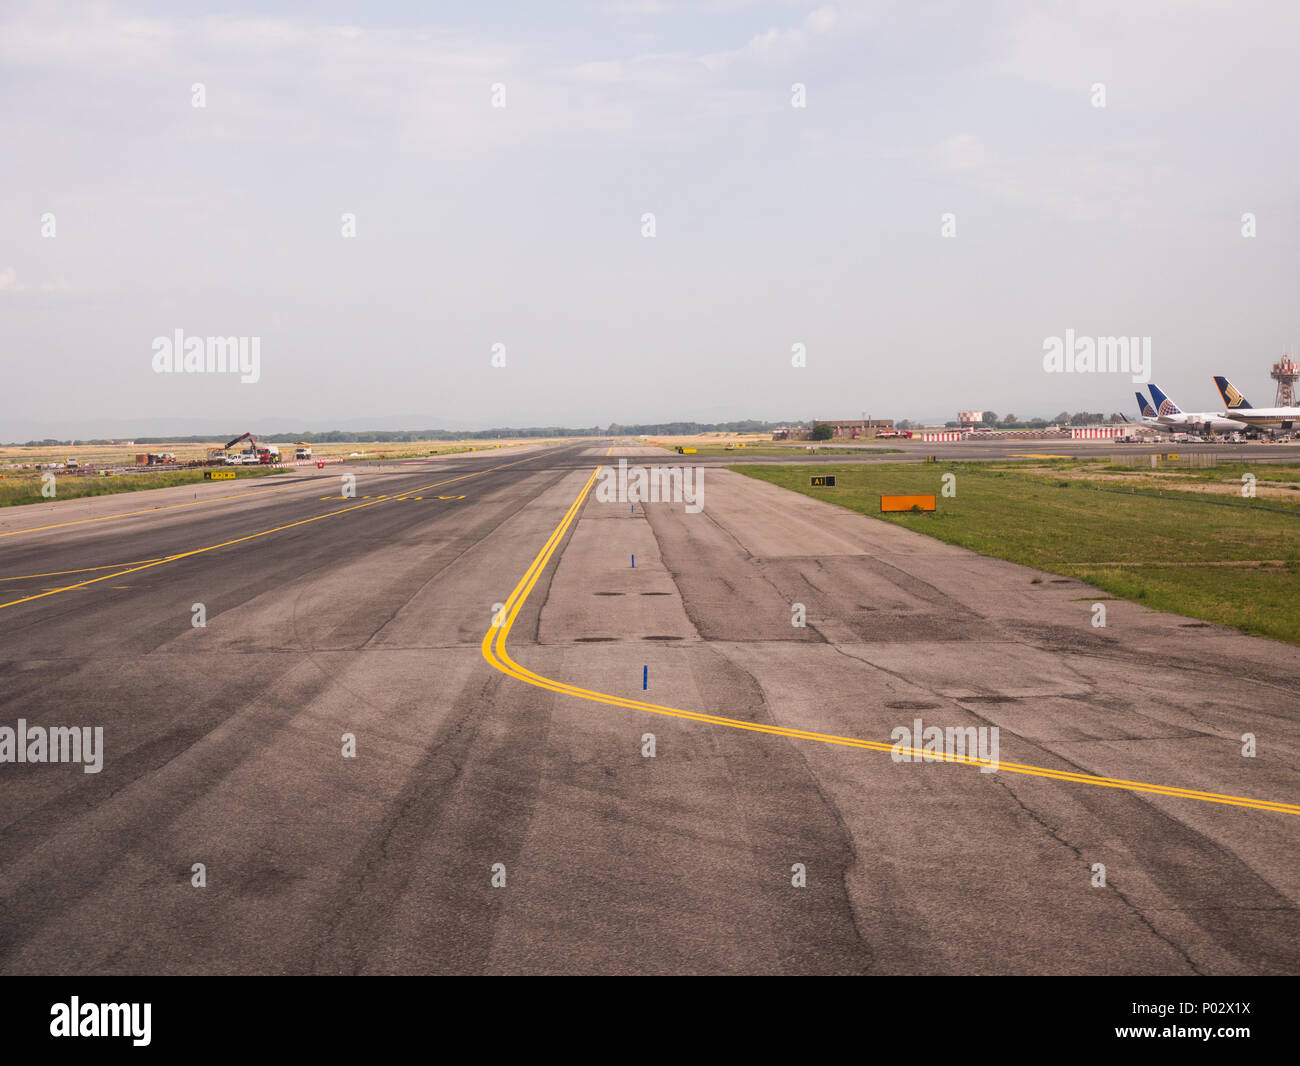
point(404, 496)
point(263, 533)
point(86, 570)
point(494, 651)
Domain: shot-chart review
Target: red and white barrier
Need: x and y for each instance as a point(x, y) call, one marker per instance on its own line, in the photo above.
point(951, 435)
point(1097, 433)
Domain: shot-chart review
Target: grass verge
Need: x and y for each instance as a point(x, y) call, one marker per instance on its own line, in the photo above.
point(1228, 560)
point(15, 491)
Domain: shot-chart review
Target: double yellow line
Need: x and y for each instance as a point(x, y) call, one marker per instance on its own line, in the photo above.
point(263, 533)
point(496, 653)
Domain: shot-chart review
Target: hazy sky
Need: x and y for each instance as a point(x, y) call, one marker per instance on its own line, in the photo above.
point(522, 225)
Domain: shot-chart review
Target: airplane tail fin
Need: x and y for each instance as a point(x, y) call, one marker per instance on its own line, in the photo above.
point(1144, 406)
point(1164, 405)
point(1233, 400)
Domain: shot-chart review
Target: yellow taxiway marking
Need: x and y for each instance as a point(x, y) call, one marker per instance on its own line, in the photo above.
point(494, 651)
point(401, 497)
point(132, 514)
point(262, 533)
point(86, 570)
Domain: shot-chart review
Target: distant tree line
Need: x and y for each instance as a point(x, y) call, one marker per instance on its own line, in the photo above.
point(1064, 418)
point(386, 436)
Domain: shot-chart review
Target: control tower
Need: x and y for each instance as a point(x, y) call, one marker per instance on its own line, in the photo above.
point(1285, 372)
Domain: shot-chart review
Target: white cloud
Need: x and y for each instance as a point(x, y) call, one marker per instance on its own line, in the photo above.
point(778, 46)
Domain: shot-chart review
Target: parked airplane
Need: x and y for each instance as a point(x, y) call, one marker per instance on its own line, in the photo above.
point(1271, 418)
point(1170, 414)
point(1147, 412)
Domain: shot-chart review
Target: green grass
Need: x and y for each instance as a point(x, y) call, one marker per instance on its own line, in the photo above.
point(27, 489)
point(1173, 552)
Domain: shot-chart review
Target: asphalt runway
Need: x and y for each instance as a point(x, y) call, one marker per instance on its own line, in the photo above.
point(505, 672)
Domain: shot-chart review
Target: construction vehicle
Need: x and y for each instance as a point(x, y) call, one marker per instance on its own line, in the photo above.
point(304, 450)
point(250, 450)
point(261, 453)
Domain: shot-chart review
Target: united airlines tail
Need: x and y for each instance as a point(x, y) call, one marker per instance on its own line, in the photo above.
point(1164, 405)
point(1233, 400)
point(1144, 406)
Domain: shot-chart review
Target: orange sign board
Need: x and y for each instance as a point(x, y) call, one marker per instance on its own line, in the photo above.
point(906, 503)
